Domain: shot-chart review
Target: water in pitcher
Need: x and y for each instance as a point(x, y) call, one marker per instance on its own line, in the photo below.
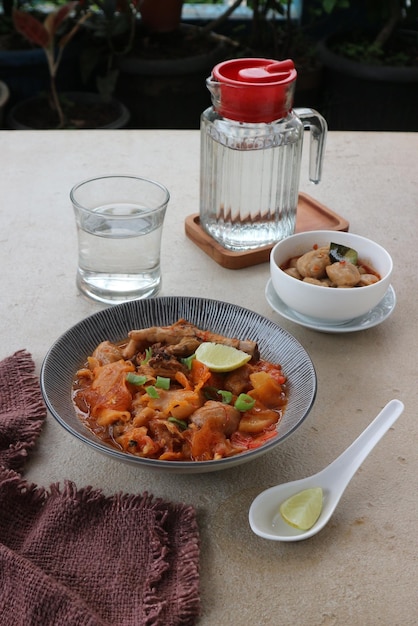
point(119, 258)
point(249, 180)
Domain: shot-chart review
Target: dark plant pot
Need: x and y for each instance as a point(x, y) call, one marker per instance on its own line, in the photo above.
point(26, 72)
point(168, 92)
point(102, 114)
point(357, 96)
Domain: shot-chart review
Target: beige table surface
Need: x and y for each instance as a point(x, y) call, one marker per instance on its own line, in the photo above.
point(362, 569)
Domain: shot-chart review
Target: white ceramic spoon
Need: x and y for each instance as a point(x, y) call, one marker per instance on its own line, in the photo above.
point(265, 519)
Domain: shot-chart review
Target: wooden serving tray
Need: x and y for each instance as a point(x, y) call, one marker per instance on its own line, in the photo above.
point(311, 215)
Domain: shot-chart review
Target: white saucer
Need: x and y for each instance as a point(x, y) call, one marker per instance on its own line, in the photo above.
point(374, 317)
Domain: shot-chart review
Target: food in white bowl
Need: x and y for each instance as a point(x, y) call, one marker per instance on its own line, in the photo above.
point(329, 302)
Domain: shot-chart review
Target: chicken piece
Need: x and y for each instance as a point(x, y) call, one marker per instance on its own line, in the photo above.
point(182, 339)
point(163, 364)
point(107, 352)
point(313, 263)
point(185, 347)
point(293, 262)
point(136, 441)
point(221, 417)
point(248, 346)
point(293, 272)
point(315, 281)
point(368, 279)
point(211, 425)
point(343, 274)
point(168, 335)
point(238, 381)
point(167, 437)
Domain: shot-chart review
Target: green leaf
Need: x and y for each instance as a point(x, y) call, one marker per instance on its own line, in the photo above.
point(31, 28)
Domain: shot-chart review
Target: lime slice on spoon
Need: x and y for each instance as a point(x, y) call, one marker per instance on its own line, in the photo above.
point(221, 358)
point(302, 509)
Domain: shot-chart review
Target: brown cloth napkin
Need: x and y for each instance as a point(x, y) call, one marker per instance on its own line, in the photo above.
point(72, 556)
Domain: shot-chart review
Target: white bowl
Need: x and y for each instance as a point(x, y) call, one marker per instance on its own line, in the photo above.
point(331, 306)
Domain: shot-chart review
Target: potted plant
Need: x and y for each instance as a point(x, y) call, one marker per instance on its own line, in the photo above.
point(371, 67)
point(23, 65)
point(56, 110)
point(274, 32)
point(162, 77)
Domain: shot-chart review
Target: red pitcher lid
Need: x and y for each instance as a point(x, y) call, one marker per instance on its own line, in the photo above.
point(253, 90)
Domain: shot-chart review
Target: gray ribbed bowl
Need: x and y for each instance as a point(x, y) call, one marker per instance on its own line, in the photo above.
point(70, 352)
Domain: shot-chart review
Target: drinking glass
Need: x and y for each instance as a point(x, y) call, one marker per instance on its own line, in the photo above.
point(119, 225)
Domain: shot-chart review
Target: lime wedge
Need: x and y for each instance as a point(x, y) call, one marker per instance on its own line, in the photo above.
point(303, 509)
point(221, 358)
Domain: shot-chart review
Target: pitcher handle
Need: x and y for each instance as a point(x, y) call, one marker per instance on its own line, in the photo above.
point(318, 129)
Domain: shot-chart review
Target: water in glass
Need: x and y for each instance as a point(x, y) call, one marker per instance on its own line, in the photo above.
point(119, 252)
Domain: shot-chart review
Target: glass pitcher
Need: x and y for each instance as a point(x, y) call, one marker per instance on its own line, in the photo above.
point(251, 149)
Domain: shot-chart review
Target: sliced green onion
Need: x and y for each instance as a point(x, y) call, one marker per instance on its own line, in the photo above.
point(244, 402)
point(152, 392)
point(162, 382)
point(226, 396)
point(148, 355)
point(136, 379)
point(180, 423)
point(188, 360)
